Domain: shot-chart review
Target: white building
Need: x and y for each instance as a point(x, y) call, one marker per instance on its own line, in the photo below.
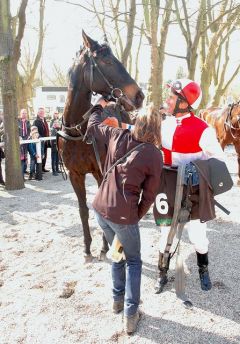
point(51, 98)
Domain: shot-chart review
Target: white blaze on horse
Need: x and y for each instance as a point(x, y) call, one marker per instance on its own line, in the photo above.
point(226, 122)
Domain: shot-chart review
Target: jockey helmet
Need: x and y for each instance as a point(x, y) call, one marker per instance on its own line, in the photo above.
point(187, 90)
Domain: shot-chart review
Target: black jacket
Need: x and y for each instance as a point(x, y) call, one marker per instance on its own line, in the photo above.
point(42, 126)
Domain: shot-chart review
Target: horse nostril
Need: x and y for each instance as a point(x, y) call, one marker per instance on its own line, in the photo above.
point(139, 98)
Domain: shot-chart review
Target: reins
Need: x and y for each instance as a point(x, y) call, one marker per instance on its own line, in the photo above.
point(228, 121)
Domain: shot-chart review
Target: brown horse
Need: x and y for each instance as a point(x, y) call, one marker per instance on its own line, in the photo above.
point(226, 122)
point(95, 70)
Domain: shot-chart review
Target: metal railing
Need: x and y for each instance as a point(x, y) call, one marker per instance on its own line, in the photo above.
point(38, 151)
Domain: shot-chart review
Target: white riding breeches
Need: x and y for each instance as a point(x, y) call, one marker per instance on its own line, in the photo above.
point(197, 233)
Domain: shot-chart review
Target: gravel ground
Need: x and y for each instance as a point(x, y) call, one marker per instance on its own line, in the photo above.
point(48, 294)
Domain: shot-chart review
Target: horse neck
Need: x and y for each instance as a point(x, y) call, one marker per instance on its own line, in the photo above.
point(77, 104)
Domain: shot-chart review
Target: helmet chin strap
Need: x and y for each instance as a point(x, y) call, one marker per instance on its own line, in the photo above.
point(177, 108)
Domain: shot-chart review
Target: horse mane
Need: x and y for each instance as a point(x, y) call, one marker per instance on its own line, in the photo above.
point(76, 69)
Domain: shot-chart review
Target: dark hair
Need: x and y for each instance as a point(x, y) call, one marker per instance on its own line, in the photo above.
point(148, 126)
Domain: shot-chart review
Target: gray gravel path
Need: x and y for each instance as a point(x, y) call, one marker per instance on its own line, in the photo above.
point(49, 295)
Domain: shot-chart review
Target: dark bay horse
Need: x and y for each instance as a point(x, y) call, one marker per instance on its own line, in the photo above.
point(226, 122)
point(95, 70)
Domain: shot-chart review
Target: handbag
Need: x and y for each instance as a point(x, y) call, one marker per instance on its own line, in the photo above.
point(220, 178)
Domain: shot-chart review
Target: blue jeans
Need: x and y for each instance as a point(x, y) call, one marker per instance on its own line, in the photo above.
point(23, 166)
point(55, 159)
point(126, 275)
point(33, 165)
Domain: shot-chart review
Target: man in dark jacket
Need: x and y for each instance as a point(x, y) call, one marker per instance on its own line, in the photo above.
point(43, 129)
point(124, 197)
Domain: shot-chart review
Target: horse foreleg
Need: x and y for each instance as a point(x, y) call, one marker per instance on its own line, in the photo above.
point(237, 149)
point(78, 183)
point(105, 247)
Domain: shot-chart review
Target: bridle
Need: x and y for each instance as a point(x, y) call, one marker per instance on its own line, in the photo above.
point(228, 121)
point(115, 93)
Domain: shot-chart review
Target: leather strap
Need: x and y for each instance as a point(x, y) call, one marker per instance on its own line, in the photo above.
point(177, 207)
point(122, 158)
point(97, 156)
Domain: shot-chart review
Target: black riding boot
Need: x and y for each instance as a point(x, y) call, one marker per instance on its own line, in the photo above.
point(162, 274)
point(202, 262)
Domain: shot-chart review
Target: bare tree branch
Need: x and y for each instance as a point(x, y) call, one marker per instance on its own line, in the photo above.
point(21, 27)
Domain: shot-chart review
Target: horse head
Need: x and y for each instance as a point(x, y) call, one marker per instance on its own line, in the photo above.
point(234, 115)
point(100, 71)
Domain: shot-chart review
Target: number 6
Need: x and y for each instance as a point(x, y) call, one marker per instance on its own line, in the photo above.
point(161, 203)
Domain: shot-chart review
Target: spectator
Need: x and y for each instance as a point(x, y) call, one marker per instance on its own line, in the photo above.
point(43, 130)
point(32, 149)
point(55, 125)
point(23, 156)
point(24, 132)
point(55, 117)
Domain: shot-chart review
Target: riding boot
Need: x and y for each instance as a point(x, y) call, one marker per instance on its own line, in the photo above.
point(162, 274)
point(202, 262)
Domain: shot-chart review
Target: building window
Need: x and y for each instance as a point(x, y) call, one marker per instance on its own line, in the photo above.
point(62, 98)
point(51, 97)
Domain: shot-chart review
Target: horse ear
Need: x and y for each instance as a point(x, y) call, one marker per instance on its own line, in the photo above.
point(89, 42)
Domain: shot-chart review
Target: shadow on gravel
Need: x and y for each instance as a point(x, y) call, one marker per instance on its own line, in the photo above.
point(42, 196)
point(162, 331)
point(224, 256)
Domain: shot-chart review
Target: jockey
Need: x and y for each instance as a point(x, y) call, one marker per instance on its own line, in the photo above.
point(186, 138)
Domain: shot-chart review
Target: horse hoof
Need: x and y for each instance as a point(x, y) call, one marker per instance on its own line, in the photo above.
point(102, 256)
point(88, 258)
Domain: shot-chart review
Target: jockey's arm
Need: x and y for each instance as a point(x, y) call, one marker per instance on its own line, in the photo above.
point(210, 145)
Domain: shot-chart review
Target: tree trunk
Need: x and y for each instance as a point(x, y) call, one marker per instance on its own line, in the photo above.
point(14, 178)
point(130, 29)
point(151, 15)
point(8, 69)
point(161, 49)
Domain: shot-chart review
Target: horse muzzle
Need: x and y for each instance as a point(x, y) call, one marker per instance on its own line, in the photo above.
point(132, 103)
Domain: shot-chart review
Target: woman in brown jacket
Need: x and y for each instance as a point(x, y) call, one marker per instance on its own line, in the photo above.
point(124, 197)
